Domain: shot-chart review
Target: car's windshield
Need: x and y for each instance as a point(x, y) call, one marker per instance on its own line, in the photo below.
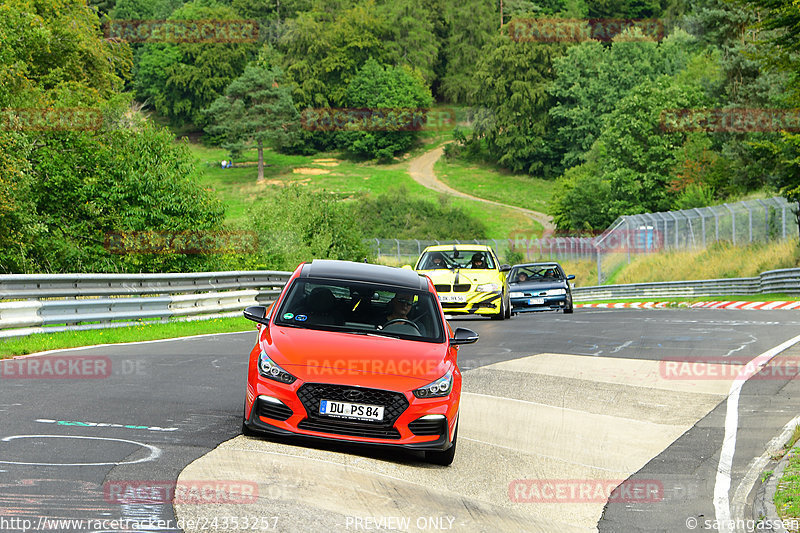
point(529, 273)
point(362, 308)
point(475, 259)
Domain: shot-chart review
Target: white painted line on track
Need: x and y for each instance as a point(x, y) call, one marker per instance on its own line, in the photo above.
point(155, 452)
point(722, 507)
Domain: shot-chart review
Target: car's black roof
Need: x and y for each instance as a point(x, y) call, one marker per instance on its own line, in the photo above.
point(351, 271)
point(542, 263)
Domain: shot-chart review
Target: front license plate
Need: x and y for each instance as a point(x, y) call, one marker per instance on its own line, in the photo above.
point(358, 411)
point(536, 301)
point(453, 298)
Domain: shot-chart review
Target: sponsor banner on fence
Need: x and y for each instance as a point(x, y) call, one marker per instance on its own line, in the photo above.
point(182, 31)
point(733, 120)
point(556, 30)
point(50, 119)
point(181, 242)
point(377, 119)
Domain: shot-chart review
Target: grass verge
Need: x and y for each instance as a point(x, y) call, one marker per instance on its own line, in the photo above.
point(787, 493)
point(40, 342)
point(721, 260)
point(238, 189)
point(485, 181)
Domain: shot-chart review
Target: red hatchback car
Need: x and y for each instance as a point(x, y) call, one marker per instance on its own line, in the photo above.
point(360, 353)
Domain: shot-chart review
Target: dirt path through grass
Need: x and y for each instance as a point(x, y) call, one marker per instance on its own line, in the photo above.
point(421, 170)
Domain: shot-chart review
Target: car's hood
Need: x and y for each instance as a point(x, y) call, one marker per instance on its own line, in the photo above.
point(537, 286)
point(442, 276)
point(365, 360)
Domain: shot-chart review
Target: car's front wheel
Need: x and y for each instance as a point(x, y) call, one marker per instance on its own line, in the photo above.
point(444, 458)
point(568, 305)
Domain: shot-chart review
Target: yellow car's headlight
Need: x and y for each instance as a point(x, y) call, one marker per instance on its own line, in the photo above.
point(488, 287)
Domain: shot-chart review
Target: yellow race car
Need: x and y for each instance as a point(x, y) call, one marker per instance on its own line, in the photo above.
point(468, 278)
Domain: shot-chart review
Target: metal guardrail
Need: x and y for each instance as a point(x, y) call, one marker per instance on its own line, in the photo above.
point(30, 302)
point(773, 281)
point(108, 300)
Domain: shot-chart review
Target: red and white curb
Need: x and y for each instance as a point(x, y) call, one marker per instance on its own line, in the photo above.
point(698, 305)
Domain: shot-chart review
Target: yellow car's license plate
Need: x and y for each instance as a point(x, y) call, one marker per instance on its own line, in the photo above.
point(453, 298)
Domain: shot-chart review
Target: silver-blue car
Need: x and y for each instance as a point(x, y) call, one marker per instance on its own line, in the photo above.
point(539, 287)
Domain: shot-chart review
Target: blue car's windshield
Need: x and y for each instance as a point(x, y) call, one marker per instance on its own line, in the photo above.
point(530, 273)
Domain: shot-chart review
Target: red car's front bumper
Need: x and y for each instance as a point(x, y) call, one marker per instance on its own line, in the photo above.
point(409, 422)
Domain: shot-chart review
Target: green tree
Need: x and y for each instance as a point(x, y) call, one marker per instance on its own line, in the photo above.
point(182, 79)
point(512, 81)
point(88, 186)
point(591, 78)
point(413, 41)
point(383, 88)
point(258, 108)
point(471, 24)
point(633, 162)
point(323, 49)
point(45, 45)
point(311, 225)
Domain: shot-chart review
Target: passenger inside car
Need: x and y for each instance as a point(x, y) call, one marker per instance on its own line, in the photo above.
point(322, 307)
point(522, 277)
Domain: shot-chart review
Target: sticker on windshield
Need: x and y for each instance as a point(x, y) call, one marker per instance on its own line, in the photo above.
point(301, 318)
point(288, 316)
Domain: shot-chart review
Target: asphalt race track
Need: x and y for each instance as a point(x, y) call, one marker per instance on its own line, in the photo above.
point(558, 411)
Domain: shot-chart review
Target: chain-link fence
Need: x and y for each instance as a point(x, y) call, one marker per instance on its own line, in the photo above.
point(515, 249)
point(630, 235)
point(694, 229)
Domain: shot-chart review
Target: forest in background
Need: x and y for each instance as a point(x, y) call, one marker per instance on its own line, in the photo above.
point(586, 114)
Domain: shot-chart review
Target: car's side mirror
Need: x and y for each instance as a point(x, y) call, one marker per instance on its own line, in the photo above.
point(505, 268)
point(571, 276)
point(464, 336)
point(257, 313)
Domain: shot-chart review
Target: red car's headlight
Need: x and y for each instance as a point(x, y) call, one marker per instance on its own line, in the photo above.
point(269, 369)
point(439, 388)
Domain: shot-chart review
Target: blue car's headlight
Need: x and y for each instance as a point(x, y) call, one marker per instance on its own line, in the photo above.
point(515, 294)
point(488, 287)
point(268, 369)
point(556, 292)
point(437, 389)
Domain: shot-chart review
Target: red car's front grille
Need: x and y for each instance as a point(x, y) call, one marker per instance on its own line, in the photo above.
point(394, 403)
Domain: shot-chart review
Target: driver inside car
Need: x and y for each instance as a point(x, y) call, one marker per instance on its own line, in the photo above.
point(397, 319)
point(399, 306)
